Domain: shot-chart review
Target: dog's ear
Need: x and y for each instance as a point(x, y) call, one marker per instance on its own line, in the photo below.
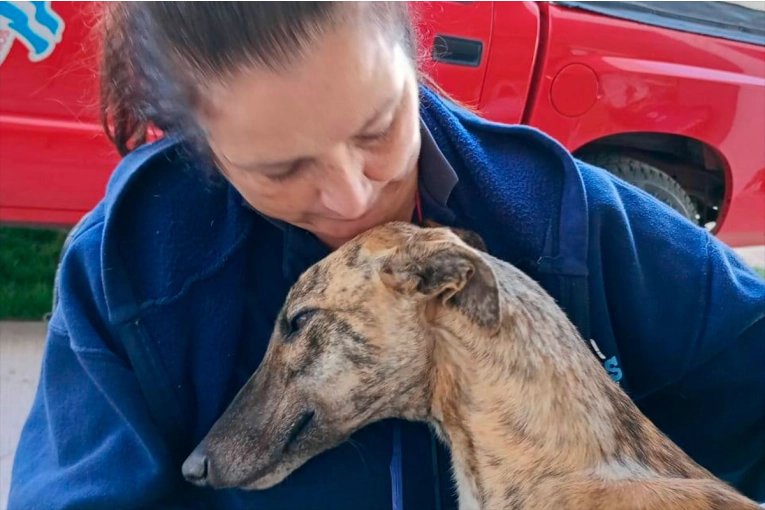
point(470, 237)
point(456, 275)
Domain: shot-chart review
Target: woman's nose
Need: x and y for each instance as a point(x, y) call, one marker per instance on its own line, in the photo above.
point(347, 192)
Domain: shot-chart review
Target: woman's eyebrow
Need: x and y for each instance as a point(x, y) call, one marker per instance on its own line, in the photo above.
point(264, 165)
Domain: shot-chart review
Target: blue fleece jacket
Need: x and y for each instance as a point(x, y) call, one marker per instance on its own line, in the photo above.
point(168, 290)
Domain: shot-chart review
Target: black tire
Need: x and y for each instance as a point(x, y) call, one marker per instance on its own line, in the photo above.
point(648, 178)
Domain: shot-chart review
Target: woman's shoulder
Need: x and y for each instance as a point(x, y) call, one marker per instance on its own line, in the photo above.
point(161, 175)
point(121, 196)
point(163, 221)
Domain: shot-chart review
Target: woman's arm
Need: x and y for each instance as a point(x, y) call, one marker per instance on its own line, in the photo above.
point(688, 317)
point(89, 441)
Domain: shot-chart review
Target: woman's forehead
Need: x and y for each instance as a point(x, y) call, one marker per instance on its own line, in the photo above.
point(262, 115)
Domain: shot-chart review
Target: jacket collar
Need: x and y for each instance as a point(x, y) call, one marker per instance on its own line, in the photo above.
point(567, 242)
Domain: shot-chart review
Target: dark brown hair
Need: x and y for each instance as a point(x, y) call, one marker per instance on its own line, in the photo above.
point(155, 55)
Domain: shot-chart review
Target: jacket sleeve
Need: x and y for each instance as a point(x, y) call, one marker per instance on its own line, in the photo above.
point(688, 316)
point(89, 441)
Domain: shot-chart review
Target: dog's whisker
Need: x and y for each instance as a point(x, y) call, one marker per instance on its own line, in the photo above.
point(358, 447)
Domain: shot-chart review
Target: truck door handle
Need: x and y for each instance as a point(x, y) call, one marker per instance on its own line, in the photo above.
point(457, 50)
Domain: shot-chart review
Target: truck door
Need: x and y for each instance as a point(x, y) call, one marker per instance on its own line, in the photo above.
point(54, 159)
point(516, 44)
point(455, 39)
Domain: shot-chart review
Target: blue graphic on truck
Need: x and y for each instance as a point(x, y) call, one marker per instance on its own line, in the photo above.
point(33, 24)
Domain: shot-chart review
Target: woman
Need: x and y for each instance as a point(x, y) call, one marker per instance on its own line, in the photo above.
point(290, 129)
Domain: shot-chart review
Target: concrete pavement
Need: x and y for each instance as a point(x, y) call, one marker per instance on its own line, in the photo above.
point(21, 345)
point(754, 256)
point(759, 6)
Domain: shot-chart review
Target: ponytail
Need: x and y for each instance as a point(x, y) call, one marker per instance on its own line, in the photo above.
point(122, 117)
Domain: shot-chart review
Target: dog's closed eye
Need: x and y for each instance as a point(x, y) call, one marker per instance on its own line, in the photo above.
point(291, 326)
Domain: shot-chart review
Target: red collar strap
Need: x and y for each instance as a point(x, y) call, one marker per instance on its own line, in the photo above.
point(418, 206)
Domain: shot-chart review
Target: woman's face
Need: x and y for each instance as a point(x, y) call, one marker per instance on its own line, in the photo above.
point(331, 143)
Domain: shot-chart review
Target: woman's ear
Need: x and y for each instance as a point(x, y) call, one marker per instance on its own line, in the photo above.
point(455, 274)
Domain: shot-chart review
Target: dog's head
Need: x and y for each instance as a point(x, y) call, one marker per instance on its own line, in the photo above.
point(352, 345)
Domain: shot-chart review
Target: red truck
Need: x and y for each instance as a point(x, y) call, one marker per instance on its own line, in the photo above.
point(669, 96)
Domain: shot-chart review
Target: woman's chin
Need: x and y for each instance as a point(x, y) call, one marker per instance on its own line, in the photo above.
point(341, 232)
point(335, 241)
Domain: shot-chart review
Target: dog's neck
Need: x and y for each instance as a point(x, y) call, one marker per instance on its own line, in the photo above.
point(497, 409)
point(449, 418)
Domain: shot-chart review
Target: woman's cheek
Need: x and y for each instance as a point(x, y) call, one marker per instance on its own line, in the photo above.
point(394, 163)
point(382, 168)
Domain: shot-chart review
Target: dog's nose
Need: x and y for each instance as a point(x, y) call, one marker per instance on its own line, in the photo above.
point(195, 468)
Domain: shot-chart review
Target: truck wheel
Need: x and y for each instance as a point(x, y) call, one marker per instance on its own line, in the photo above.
point(648, 178)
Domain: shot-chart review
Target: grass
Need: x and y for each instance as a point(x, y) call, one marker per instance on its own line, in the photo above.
point(28, 260)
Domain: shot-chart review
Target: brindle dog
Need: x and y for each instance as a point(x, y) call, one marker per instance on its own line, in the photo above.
point(417, 323)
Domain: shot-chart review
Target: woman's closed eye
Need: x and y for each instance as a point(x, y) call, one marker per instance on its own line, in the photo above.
point(379, 136)
point(292, 171)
